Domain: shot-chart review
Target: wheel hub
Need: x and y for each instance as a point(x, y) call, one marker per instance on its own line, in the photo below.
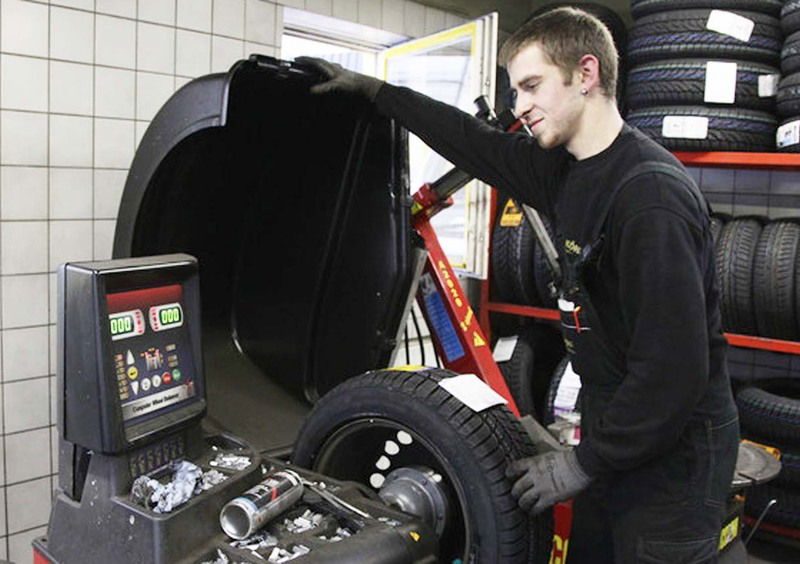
point(418, 491)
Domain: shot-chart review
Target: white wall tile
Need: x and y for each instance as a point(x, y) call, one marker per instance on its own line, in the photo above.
point(225, 52)
point(70, 241)
point(113, 143)
point(299, 4)
point(80, 4)
point(324, 7)
point(346, 10)
point(158, 11)
point(140, 128)
point(24, 193)
point(24, 247)
point(434, 20)
point(71, 88)
point(23, 28)
point(155, 49)
point(369, 13)
point(108, 187)
point(23, 83)
point(53, 335)
point(192, 53)
point(124, 8)
point(3, 527)
point(260, 22)
point(228, 18)
point(53, 430)
point(28, 455)
point(23, 353)
point(70, 193)
point(152, 91)
point(414, 19)
point(103, 239)
point(258, 48)
point(19, 545)
point(29, 506)
point(114, 92)
point(392, 16)
point(70, 141)
point(26, 405)
point(23, 138)
point(116, 42)
point(52, 290)
point(195, 14)
point(452, 20)
point(71, 35)
point(25, 300)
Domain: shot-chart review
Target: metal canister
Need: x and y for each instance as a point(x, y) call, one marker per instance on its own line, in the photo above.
point(244, 515)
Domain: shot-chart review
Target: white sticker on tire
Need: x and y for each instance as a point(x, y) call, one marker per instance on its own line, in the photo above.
point(685, 127)
point(788, 134)
point(472, 392)
point(731, 24)
point(720, 82)
point(504, 348)
point(768, 85)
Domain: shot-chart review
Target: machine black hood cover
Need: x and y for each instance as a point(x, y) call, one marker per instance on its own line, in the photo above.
point(296, 206)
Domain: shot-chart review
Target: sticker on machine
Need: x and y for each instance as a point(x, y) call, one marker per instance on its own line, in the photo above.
point(685, 127)
point(472, 392)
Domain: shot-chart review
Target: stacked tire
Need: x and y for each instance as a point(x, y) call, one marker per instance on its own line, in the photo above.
point(788, 107)
point(703, 73)
point(770, 414)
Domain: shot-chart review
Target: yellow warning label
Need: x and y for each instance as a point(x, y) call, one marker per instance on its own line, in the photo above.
point(512, 215)
point(729, 533)
point(409, 368)
point(414, 535)
point(477, 340)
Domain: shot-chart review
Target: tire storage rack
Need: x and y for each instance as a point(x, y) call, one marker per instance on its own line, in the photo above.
point(725, 99)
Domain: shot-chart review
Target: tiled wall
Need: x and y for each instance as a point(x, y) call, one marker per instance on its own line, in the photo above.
point(79, 82)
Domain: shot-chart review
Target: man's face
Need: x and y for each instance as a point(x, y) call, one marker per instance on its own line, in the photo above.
point(549, 107)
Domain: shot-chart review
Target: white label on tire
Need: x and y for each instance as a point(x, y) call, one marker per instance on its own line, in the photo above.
point(768, 85)
point(731, 24)
point(504, 348)
point(472, 392)
point(788, 134)
point(685, 127)
point(720, 82)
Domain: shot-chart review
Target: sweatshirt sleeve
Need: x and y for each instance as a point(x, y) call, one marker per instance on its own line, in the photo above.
point(512, 162)
point(660, 259)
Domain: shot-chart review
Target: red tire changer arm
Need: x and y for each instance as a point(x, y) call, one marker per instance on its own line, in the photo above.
point(457, 337)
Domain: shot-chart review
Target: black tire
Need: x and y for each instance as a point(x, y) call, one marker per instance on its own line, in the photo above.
point(518, 374)
point(790, 470)
point(790, 17)
point(729, 129)
point(641, 8)
point(512, 262)
point(542, 275)
point(770, 412)
point(347, 430)
point(682, 34)
point(788, 100)
point(683, 82)
point(718, 221)
point(735, 255)
point(790, 54)
point(774, 280)
point(785, 512)
point(787, 138)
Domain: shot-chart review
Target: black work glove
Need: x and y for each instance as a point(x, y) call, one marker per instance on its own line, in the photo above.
point(340, 79)
point(545, 479)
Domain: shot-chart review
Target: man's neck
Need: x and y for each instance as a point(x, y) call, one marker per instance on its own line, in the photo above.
point(600, 124)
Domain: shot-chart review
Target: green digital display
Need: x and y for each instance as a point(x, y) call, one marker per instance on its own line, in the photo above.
point(126, 324)
point(121, 324)
point(170, 315)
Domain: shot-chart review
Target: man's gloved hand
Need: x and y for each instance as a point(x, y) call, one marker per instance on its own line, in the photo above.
point(546, 479)
point(340, 79)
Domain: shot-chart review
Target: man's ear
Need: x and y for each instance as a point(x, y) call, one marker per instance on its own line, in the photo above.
point(589, 70)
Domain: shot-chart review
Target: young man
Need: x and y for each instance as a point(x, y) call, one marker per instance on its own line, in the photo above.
point(640, 308)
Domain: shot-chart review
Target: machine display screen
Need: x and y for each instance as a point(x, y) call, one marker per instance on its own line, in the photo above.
point(151, 350)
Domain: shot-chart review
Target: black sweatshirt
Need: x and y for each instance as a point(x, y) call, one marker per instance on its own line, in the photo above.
point(654, 288)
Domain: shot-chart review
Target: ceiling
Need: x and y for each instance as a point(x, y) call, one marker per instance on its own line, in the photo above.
point(513, 12)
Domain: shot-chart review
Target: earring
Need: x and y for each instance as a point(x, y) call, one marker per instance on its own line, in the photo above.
point(584, 92)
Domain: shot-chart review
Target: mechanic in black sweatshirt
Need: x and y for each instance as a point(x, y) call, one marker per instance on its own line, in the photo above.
point(639, 303)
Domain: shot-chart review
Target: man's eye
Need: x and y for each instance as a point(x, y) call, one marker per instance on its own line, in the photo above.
point(531, 86)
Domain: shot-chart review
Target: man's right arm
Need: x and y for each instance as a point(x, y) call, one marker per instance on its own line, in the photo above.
point(511, 162)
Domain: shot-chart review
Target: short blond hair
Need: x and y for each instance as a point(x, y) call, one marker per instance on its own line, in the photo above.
point(565, 35)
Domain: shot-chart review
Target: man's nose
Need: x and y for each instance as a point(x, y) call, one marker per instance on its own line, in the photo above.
point(522, 105)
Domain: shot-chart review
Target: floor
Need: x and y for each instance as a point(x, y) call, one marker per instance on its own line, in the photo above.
point(769, 551)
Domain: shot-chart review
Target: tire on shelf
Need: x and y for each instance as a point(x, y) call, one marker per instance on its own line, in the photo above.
point(542, 274)
point(787, 137)
point(641, 8)
point(518, 373)
point(683, 82)
point(788, 99)
point(398, 419)
point(770, 411)
point(728, 129)
point(790, 54)
point(774, 280)
point(552, 392)
point(680, 34)
point(735, 256)
point(790, 17)
point(718, 221)
point(513, 243)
